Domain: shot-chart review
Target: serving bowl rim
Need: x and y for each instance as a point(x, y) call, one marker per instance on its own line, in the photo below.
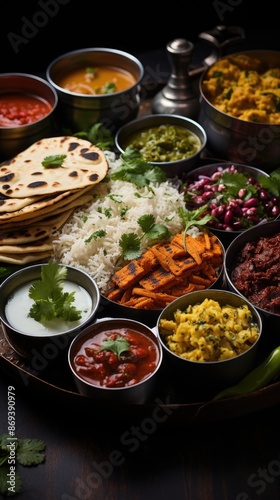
point(268, 225)
point(88, 50)
point(39, 80)
point(229, 120)
point(108, 320)
point(225, 164)
point(253, 309)
point(158, 117)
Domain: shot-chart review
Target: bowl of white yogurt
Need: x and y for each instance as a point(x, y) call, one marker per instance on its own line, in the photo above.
point(44, 306)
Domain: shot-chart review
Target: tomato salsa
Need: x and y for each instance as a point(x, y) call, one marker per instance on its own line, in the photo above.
point(116, 358)
point(18, 109)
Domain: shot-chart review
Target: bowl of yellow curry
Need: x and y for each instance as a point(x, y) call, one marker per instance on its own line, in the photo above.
point(240, 110)
point(210, 340)
point(96, 84)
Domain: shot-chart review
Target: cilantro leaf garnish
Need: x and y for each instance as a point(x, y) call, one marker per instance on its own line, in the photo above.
point(91, 71)
point(117, 346)
point(53, 161)
point(191, 218)
point(49, 299)
point(109, 88)
point(136, 170)
point(130, 245)
point(28, 452)
point(271, 183)
point(99, 135)
point(146, 222)
point(153, 231)
point(100, 233)
point(31, 452)
point(234, 182)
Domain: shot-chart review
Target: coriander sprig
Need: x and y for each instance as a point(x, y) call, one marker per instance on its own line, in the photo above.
point(192, 218)
point(50, 299)
point(133, 168)
point(28, 452)
point(117, 346)
point(130, 242)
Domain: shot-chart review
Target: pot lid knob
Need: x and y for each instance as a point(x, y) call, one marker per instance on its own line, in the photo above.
point(178, 95)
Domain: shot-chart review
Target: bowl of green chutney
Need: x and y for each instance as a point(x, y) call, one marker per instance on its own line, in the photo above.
point(172, 142)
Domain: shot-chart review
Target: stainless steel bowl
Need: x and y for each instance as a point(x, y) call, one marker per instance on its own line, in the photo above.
point(137, 393)
point(256, 144)
point(205, 378)
point(28, 344)
point(79, 112)
point(172, 168)
point(15, 139)
point(271, 321)
point(225, 236)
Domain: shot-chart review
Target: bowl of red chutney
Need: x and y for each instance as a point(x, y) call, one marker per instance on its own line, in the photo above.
point(27, 109)
point(116, 360)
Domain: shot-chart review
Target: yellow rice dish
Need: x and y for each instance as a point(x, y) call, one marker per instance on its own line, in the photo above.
point(242, 87)
point(209, 332)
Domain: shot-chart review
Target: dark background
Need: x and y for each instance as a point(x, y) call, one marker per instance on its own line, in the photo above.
point(35, 32)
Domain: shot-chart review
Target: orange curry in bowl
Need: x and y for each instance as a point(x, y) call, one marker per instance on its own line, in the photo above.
point(97, 80)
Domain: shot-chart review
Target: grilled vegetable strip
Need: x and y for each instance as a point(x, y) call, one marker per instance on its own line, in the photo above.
point(167, 270)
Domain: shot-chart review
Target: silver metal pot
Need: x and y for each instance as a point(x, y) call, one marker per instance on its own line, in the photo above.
point(80, 111)
point(251, 143)
point(137, 393)
point(15, 139)
point(204, 378)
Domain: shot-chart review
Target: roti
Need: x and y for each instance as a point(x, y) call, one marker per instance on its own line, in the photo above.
point(35, 231)
point(24, 258)
point(13, 204)
point(77, 164)
point(46, 206)
point(44, 246)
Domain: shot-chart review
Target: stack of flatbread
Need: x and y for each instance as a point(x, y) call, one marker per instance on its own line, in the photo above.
point(36, 200)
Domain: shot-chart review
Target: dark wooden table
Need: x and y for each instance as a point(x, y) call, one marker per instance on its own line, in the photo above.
point(89, 458)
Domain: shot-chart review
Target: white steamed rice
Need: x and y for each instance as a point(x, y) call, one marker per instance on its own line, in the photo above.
point(101, 256)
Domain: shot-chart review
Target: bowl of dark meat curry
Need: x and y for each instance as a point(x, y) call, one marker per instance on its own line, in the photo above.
point(252, 269)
